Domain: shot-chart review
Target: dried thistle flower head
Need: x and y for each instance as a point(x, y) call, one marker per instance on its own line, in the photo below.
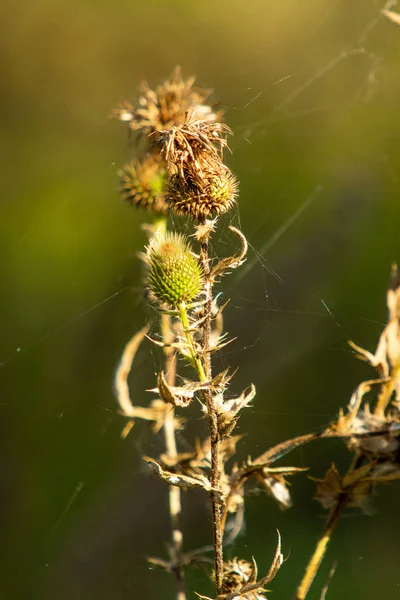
point(175, 274)
point(142, 184)
point(185, 142)
point(240, 578)
point(166, 106)
point(200, 185)
point(237, 573)
point(207, 188)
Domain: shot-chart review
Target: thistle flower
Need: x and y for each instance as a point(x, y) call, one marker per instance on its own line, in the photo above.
point(193, 137)
point(200, 184)
point(166, 106)
point(237, 573)
point(205, 188)
point(240, 577)
point(142, 184)
point(175, 274)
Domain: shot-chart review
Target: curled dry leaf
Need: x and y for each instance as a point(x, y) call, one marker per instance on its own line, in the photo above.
point(228, 410)
point(232, 262)
point(186, 559)
point(387, 356)
point(122, 372)
point(190, 462)
point(156, 412)
point(180, 480)
point(274, 483)
point(182, 395)
point(177, 396)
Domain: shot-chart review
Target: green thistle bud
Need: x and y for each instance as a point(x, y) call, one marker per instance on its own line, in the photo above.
point(142, 184)
point(175, 274)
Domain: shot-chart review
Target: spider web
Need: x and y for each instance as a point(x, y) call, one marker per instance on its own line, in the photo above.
point(278, 313)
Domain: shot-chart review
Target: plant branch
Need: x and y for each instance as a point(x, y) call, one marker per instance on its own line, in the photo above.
point(174, 492)
point(320, 549)
point(213, 424)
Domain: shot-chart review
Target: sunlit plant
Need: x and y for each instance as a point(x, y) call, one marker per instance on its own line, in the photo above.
point(179, 169)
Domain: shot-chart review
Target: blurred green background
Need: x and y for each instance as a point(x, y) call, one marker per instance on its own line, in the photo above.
point(311, 90)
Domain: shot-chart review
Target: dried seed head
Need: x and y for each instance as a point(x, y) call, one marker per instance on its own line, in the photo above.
point(237, 576)
point(142, 184)
point(175, 274)
point(237, 572)
point(166, 106)
point(193, 137)
point(207, 188)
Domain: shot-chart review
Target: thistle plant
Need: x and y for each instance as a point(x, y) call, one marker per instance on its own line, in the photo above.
point(179, 169)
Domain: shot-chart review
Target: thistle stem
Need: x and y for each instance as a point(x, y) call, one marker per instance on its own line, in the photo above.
point(205, 374)
point(213, 425)
point(174, 492)
point(320, 549)
point(183, 315)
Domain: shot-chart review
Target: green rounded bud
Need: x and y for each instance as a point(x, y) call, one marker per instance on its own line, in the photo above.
point(175, 274)
point(142, 184)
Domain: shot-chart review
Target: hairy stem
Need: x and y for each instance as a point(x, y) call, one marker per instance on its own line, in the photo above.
point(213, 425)
point(174, 492)
point(320, 549)
point(195, 360)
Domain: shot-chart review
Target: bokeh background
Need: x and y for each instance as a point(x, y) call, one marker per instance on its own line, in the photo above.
point(311, 90)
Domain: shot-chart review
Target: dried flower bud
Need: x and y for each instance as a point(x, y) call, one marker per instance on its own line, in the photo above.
point(166, 106)
point(175, 274)
point(207, 188)
point(142, 184)
point(237, 573)
point(191, 139)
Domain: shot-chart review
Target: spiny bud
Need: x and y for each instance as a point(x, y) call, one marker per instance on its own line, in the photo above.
point(166, 106)
point(175, 274)
point(237, 573)
point(142, 184)
point(208, 188)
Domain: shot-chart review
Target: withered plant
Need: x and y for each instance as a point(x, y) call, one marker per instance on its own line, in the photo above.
point(179, 168)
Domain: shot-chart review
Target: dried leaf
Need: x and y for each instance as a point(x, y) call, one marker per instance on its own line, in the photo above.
point(177, 396)
point(356, 486)
point(392, 16)
point(228, 410)
point(232, 262)
point(280, 450)
point(180, 480)
point(122, 372)
point(276, 563)
point(387, 355)
point(274, 483)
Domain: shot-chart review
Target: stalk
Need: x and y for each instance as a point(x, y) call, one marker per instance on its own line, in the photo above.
point(174, 492)
point(320, 550)
point(213, 425)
